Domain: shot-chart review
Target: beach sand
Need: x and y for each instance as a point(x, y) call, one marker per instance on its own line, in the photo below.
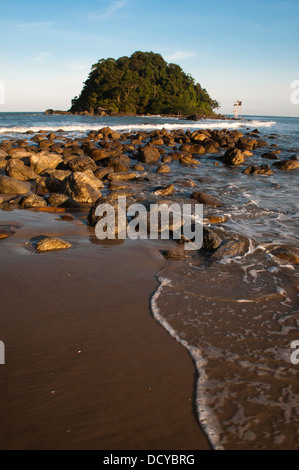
point(87, 366)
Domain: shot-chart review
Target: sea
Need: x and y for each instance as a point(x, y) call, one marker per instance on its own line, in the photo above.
point(238, 317)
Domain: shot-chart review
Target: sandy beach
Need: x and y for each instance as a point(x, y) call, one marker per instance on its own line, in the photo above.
point(87, 366)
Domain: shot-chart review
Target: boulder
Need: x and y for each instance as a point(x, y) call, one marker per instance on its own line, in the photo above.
point(33, 200)
point(233, 156)
point(207, 199)
point(18, 170)
point(163, 169)
point(287, 164)
point(149, 154)
point(211, 241)
point(81, 188)
point(10, 185)
point(166, 191)
point(81, 163)
point(43, 160)
point(258, 170)
point(61, 200)
point(229, 249)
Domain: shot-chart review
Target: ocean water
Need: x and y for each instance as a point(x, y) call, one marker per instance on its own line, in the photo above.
point(237, 317)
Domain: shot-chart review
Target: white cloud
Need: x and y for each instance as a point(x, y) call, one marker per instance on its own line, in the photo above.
point(40, 57)
point(109, 11)
point(180, 55)
point(78, 67)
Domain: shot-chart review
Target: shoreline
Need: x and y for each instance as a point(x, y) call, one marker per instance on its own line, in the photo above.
point(84, 372)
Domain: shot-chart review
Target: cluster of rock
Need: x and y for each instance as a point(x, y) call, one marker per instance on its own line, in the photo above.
point(54, 171)
point(90, 112)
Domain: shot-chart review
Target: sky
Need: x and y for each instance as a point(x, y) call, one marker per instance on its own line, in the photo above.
point(237, 50)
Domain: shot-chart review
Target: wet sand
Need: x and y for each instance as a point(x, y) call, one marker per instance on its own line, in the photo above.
point(87, 366)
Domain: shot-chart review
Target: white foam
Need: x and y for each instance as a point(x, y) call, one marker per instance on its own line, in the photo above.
point(205, 124)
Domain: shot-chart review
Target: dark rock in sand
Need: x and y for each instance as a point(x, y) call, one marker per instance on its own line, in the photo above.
point(6, 231)
point(10, 185)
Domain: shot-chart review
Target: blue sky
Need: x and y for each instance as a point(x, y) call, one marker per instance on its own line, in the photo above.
point(245, 50)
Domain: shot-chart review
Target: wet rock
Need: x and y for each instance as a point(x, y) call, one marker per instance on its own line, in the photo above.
point(217, 219)
point(138, 167)
point(32, 200)
point(211, 241)
point(18, 170)
point(270, 156)
point(19, 153)
point(149, 154)
point(207, 199)
point(6, 231)
point(10, 185)
point(258, 170)
point(62, 200)
point(163, 169)
point(118, 164)
point(100, 173)
point(81, 163)
point(81, 188)
point(122, 176)
point(228, 250)
point(188, 160)
point(166, 191)
point(43, 160)
point(52, 243)
point(233, 156)
point(114, 226)
point(175, 254)
point(287, 164)
point(245, 143)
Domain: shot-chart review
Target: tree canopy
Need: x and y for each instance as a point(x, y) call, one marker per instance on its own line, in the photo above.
point(142, 84)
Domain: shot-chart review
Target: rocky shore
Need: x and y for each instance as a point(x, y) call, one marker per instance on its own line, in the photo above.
point(53, 172)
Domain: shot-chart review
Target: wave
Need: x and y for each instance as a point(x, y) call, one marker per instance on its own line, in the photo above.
point(81, 128)
point(206, 417)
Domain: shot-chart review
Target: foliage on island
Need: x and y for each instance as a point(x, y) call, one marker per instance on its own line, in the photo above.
point(142, 84)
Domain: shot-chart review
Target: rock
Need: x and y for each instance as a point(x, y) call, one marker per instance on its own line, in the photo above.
point(287, 164)
point(6, 231)
point(215, 219)
point(82, 163)
point(188, 160)
point(18, 170)
point(10, 185)
point(3, 154)
point(122, 176)
point(61, 200)
point(245, 143)
point(19, 153)
point(233, 156)
point(138, 167)
point(52, 243)
point(175, 254)
point(207, 199)
point(81, 188)
point(3, 163)
point(258, 170)
point(270, 155)
point(166, 191)
point(118, 164)
point(100, 173)
point(149, 154)
point(211, 241)
point(120, 221)
point(33, 200)
point(229, 249)
point(163, 169)
point(43, 160)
